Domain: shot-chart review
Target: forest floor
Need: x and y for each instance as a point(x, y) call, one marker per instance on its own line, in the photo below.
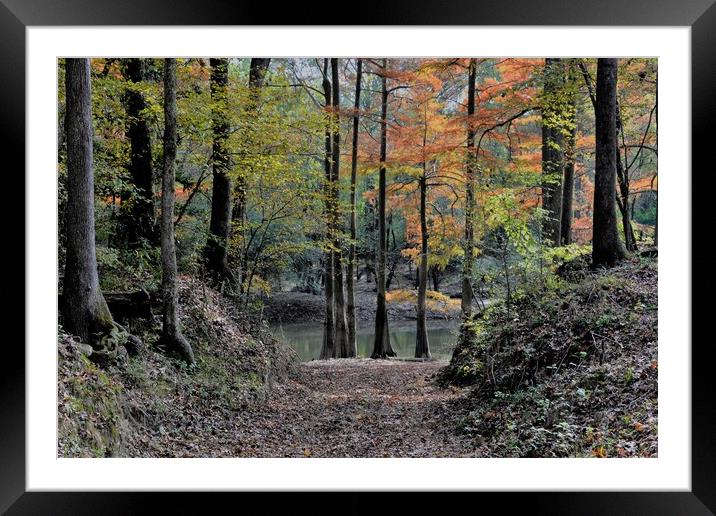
point(250, 397)
point(334, 408)
point(576, 377)
point(356, 408)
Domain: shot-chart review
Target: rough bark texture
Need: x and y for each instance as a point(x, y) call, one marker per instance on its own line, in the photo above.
point(216, 245)
point(328, 348)
point(138, 221)
point(606, 247)
point(381, 344)
point(351, 268)
point(257, 76)
point(622, 177)
point(85, 311)
point(339, 295)
point(422, 346)
point(552, 156)
point(171, 333)
point(471, 159)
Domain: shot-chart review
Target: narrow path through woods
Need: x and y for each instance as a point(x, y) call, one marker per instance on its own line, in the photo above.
point(356, 408)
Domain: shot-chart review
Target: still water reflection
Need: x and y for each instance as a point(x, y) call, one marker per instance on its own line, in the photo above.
point(306, 338)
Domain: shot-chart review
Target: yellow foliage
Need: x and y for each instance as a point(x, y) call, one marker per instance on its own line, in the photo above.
point(401, 296)
point(434, 300)
point(437, 296)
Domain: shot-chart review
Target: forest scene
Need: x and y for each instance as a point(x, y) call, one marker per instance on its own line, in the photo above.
point(357, 257)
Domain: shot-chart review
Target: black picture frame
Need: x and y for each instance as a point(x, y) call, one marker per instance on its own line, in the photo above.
point(700, 15)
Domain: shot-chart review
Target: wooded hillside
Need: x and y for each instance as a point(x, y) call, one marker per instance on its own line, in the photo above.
point(353, 190)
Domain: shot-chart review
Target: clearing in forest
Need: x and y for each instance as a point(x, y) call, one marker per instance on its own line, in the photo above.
point(356, 408)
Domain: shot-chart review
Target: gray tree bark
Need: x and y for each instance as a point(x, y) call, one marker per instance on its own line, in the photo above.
point(422, 345)
point(85, 311)
point(219, 225)
point(569, 162)
point(171, 333)
point(381, 344)
point(328, 348)
point(552, 155)
point(340, 306)
point(607, 248)
point(139, 220)
point(622, 175)
point(351, 270)
point(471, 159)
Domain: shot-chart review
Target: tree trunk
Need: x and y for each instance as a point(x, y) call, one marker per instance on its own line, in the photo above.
point(395, 257)
point(171, 333)
point(422, 346)
point(469, 260)
point(568, 184)
point(139, 220)
point(622, 200)
point(623, 183)
point(621, 174)
point(85, 311)
point(606, 246)
point(381, 344)
point(257, 75)
point(328, 348)
point(216, 245)
point(435, 273)
point(552, 154)
point(351, 269)
point(339, 294)
point(370, 212)
point(567, 200)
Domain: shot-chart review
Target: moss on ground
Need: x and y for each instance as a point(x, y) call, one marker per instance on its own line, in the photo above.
point(89, 406)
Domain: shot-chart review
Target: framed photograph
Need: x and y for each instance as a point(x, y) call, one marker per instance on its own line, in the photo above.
point(269, 251)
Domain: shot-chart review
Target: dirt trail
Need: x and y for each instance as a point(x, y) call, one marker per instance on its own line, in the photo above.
point(355, 408)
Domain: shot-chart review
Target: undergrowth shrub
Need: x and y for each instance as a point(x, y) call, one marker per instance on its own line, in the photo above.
point(568, 368)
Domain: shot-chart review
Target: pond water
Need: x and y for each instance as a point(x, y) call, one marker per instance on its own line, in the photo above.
point(306, 338)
